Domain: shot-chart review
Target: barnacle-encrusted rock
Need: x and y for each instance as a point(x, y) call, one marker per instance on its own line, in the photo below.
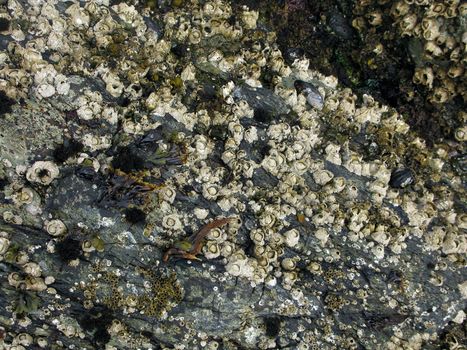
point(185, 115)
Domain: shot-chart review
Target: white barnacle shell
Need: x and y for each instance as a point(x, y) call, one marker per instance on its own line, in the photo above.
point(239, 265)
point(351, 191)
point(279, 131)
point(291, 237)
point(288, 279)
point(95, 142)
point(230, 143)
point(62, 86)
point(461, 221)
point(454, 243)
point(117, 327)
point(260, 250)
point(172, 222)
point(460, 134)
point(35, 283)
point(79, 17)
point(381, 236)
point(110, 115)
point(189, 74)
point(378, 251)
point(248, 168)
point(113, 84)
point(202, 146)
point(322, 176)
point(273, 162)
point(234, 268)
point(210, 191)
point(217, 235)
point(168, 194)
point(288, 264)
point(14, 279)
point(299, 148)
point(378, 187)
point(4, 244)
point(322, 235)
point(227, 249)
point(211, 250)
point(257, 236)
point(24, 196)
point(10, 218)
point(332, 153)
point(273, 254)
point(194, 37)
point(249, 19)
point(300, 166)
point(55, 227)
point(42, 342)
point(23, 339)
point(267, 219)
point(436, 279)
point(32, 269)
point(236, 130)
point(87, 246)
point(183, 30)
point(21, 258)
point(424, 76)
point(68, 330)
point(43, 172)
point(276, 63)
point(338, 184)
point(45, 90)
point(105, 25)
point(314, 267)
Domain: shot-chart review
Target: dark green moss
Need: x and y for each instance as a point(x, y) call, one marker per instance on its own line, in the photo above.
point(127, 161)
point(97, 320)
point(4, 24)
point(5, 103)
point(273, 326)
point(68, 249)
point(26, 303)
point(135, 215)
point(262, 116)
point(67, 149)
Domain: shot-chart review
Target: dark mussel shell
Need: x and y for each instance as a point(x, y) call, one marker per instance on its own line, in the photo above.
point(401, 178)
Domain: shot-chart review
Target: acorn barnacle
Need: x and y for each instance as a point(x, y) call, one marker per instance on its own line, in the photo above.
point(212, 250)
point(210, 192)
point(55, 227)
point(4, 244)
point(14, 279)
point(43, 172)
point(291, 237)
point(322, 177)
point(24, 339)
point(171, 222)
point(288, 264)
point(401, 178)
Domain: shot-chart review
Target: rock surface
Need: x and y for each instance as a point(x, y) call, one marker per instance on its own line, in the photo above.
point(135, 126)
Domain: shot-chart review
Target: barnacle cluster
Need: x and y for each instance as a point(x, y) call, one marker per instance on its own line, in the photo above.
point(433, 34)
point(179, 113)
point(438, 44)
